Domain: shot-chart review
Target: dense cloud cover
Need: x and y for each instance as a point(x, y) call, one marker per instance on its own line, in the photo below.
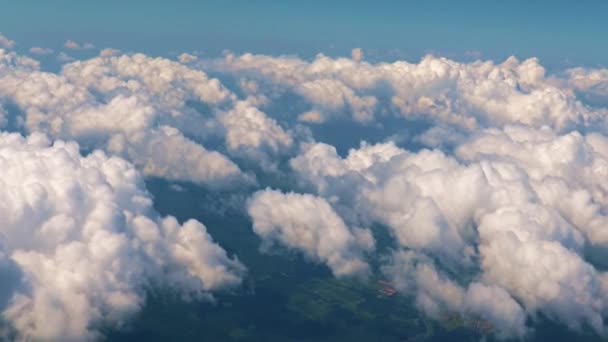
point(496, 207)
point(517, 202)
point(524, 221)
point(135, 107)
point(81, 242)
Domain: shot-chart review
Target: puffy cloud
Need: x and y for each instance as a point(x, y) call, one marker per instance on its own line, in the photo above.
point(163, 87)
point(171, 82)
point(437, 294)
point(466, 95)
point(167, 153)
point(591, 85)
point(494, 304)
point(131, 106)
point(545, 276)
point(499, 222)
point(514, 208)
point(82, 239)
point(309, 224)
point(321, 166)
point(397, 193)
point(253, 134)
point(328, 96)
point(248, 126)
point(253, 91)
point(567, 171)
point(331, 96)
point(186, 58)
point(5, 42)
point(41, 51)
point(10, 61)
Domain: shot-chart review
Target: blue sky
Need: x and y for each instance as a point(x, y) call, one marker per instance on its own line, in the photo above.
point(561, 33)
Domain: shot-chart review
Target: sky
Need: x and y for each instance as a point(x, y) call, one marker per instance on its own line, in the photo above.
point(560, 33)
point(458, 150)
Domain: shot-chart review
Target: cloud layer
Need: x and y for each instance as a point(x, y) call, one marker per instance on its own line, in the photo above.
point(81, 242)
point(466, 95)
point(496, 205)
point(521, 204)
point(516, 204)
point(131, 106)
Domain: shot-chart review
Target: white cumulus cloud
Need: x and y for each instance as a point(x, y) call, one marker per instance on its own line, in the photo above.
point(309, 224)
point(519, 203)
point(131, 106)
point(466, 95)
point(82, 239)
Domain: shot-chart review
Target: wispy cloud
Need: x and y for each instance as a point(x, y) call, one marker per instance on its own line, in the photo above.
point(5, 42)
point(41, 51)
point(73, 45)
